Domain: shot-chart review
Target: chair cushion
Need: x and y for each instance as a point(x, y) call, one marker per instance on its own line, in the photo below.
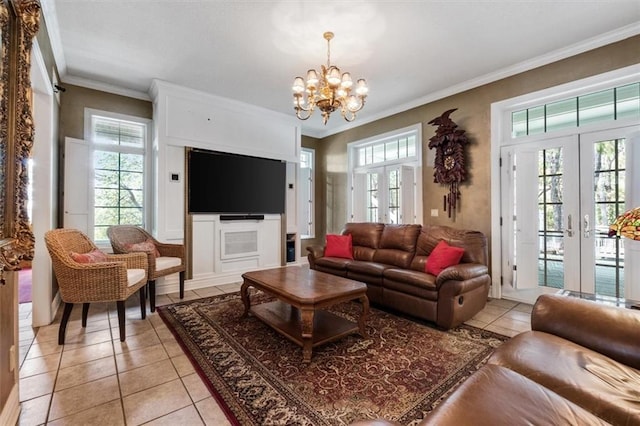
point(93, 256)
point(166, 262)
point(146, 246)
point(134, 276)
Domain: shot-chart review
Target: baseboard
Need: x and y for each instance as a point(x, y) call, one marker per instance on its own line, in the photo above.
point(11, 410)
point(172, 285)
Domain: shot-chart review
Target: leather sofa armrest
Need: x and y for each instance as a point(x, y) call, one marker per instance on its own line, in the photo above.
point(609, 330)
point(314, 252)
point(461, 272)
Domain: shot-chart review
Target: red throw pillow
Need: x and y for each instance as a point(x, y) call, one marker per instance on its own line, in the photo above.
point(93, 256)
point(339, 246)
point(443, 256)
point(146, 246)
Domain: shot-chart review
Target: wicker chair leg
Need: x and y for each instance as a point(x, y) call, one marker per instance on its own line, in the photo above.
point(63, 323)
point(85, 314)
point(143, 302)
point(152, 295)
point(120, 306)
point(181, 284)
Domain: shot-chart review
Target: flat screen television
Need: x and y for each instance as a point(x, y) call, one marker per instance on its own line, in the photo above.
point(227, 183)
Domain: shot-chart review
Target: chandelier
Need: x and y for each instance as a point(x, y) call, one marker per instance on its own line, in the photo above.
point(328, 92)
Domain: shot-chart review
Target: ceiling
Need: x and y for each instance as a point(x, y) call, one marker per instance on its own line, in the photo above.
point(410, 52)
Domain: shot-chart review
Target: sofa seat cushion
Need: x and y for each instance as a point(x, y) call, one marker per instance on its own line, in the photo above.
point(496, 396)
point(367, 268)
point(412, 282)
point(604, 387)
point(337, 263)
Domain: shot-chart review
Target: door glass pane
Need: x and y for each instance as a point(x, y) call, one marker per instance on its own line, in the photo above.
point(372, 197)
point(562, 114)
point(595, 107)
point(550, 214)
point(536, 120)
point(378, 153)
point(394, 199)
point(391, 150)
point(519, 123)
point(628, 101)
point(608, 200)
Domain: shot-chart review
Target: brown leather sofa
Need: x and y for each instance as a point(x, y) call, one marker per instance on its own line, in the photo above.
point(579, 365)
point(391, 260)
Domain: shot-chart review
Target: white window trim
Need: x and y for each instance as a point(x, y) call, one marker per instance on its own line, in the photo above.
point(149, 202)
point(501, 136)
point(416, 162)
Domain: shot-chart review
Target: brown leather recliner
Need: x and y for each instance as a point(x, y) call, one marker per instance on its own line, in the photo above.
point(391, 260)
point(579, 365)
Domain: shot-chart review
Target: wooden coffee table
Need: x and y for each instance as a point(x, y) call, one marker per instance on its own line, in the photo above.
point(302, 295)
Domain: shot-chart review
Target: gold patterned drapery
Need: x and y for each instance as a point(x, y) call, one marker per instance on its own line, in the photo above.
point(20, 22)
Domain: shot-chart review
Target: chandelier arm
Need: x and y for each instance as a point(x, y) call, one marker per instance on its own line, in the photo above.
point(347, 117)
point(300, 106)
point(302, 117)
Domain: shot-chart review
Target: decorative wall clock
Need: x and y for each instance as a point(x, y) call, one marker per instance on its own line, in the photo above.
point(450, 168)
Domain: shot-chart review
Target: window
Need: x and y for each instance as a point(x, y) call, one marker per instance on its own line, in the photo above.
point(118, 146)
point(385, 174)
point(305, 183)
point(617, 103)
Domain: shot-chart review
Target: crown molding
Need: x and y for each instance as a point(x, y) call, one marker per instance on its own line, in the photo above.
point(105, 87)
point(554, 56)
point(53, 31)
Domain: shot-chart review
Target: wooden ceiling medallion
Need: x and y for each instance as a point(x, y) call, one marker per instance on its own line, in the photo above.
point(449, 168)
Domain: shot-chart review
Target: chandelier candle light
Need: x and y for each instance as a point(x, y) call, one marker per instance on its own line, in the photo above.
point(328, 92)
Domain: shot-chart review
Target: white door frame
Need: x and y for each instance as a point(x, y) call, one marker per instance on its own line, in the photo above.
point(501, 133)
point(43, 183)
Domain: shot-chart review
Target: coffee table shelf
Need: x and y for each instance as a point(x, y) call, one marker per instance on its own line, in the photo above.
point(285, 319)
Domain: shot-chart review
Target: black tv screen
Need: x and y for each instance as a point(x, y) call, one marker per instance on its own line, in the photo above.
point(235, 184)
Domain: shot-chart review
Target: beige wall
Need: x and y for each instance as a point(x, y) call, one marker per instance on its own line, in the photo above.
point(474, 116)
point(75, 99)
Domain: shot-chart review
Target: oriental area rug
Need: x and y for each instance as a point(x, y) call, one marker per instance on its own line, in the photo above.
point(399, 372)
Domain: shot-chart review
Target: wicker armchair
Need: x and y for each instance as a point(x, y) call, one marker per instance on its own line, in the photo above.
point(114, 280)
point(170, 261)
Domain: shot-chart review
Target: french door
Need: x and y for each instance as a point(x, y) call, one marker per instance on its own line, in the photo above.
point(384, 194)
point(559, 197)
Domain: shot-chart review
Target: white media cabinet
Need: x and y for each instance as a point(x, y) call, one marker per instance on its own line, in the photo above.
point(221, 250)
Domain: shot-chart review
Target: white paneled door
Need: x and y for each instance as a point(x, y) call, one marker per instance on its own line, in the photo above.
point(559, 197)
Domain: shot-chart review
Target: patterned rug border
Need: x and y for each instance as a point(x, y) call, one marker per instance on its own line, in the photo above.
point(442, 391)
point(162, 312)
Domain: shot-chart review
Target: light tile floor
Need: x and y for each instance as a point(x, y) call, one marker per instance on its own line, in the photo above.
point(96, 379)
